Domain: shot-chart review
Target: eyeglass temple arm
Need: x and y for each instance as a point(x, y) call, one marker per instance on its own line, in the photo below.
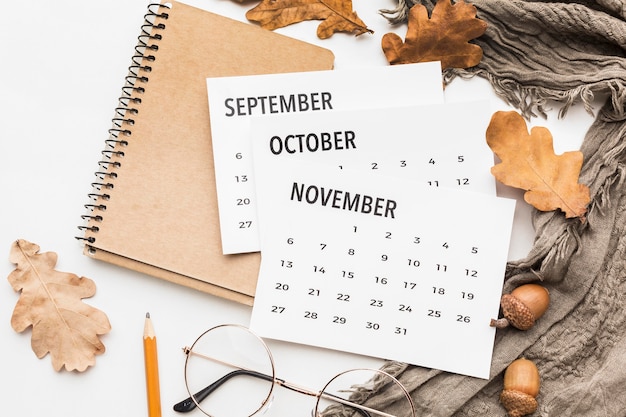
point(188, 403)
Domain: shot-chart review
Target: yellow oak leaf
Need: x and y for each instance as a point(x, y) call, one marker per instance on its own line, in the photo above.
point(444, 37)
point(528, 162)
point(51, 302)
point(337, 15)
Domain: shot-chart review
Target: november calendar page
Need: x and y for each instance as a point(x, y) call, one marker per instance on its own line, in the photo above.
point(379, 265)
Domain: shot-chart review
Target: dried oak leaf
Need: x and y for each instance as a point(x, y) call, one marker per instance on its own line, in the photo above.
point(444, 37)
point(51, 302)
point(337, 15)
point(528, 162)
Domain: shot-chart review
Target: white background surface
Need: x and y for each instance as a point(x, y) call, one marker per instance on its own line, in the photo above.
point(62, 65)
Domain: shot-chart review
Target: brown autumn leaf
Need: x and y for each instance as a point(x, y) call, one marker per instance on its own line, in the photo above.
point(444, 37)
point(337, 15)
point(529, 163)
point(51, 302)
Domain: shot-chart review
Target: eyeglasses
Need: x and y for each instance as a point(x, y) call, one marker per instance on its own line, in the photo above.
point(230, 372)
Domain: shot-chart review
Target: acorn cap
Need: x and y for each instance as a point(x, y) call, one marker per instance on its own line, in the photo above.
point(517, 403)
point(516, 312)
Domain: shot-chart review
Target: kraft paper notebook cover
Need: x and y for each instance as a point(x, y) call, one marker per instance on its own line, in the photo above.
point(154, 208)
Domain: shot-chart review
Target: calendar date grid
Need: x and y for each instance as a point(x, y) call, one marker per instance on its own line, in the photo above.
point(409, 294)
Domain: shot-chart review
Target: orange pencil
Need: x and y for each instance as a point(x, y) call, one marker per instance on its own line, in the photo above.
point(152, 369)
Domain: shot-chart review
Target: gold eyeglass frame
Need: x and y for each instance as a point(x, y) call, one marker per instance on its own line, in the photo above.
point(188, 350)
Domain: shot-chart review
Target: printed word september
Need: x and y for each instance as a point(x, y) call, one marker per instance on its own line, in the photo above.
point(249, 106)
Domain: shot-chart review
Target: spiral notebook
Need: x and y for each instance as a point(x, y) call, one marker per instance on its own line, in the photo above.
point(154, 206)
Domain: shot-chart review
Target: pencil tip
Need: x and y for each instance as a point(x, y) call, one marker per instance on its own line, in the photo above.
point(147, 315)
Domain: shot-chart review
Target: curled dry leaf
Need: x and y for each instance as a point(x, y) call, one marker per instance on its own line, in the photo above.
point(337, 15)
point(51, 302)
point(444, 37)
point(529, 163)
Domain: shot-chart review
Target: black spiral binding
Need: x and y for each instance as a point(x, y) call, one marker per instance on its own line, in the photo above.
point(122, 122)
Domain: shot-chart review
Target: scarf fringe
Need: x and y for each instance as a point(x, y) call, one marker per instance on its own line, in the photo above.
point(401, 12)
point(534, 101)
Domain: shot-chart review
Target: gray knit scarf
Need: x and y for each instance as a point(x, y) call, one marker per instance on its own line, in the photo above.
point(537, 55)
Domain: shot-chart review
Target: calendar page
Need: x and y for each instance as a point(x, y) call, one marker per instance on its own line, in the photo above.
point(439, 145)
point(380, 266)
point(234, 100)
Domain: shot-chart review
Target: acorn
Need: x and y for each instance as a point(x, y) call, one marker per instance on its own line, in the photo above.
point(521, 387)
point(523, 306)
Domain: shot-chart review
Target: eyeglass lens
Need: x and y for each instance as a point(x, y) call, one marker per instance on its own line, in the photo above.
point(356, 386)
point(230, 372)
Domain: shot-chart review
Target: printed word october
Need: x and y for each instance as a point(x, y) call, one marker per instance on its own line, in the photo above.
point(313, 142)
point(343, 200)
point(250, 106)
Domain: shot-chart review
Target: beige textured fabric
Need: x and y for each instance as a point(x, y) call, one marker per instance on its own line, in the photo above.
point(538, 54)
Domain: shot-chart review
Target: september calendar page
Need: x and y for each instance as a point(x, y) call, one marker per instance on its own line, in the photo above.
point(234, 100)
point(378, 265)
